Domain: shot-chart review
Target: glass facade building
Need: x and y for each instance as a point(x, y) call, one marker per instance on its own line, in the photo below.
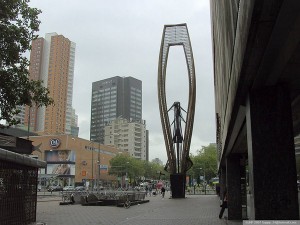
point(112, 98)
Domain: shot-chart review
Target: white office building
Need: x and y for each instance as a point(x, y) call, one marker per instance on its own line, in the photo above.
point(130, 136)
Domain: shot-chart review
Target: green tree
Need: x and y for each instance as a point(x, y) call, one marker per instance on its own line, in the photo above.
point(118, 164)
point(123, 164)
point(136, 169)
point(205, 163)
point(18, 23)
point(151, 169)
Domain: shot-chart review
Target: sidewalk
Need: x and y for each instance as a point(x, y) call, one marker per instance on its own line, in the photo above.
point(193, 210)
point(47, 197)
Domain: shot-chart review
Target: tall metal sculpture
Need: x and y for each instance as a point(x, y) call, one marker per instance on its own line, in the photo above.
point(177, 146)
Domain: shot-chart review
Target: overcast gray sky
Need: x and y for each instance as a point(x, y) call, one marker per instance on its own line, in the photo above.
point(122, 38)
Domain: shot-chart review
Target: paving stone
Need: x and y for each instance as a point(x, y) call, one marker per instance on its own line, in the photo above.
point(193, 210)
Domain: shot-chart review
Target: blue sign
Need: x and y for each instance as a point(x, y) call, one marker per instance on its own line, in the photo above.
point(103, 167)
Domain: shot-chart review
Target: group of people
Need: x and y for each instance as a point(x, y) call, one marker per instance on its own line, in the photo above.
point(150, 191)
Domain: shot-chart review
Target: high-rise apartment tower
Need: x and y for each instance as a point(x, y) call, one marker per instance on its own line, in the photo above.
point(131, 137)
point(116, 97)
point(52, 60)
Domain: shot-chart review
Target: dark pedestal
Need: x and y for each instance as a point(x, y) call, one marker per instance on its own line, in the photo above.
point(178, 185)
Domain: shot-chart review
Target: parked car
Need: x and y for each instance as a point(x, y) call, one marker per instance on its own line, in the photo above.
point(68, 188)
point(55, 188)
point(80, 188)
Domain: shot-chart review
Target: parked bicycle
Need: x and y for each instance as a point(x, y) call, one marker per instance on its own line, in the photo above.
point(127, 202)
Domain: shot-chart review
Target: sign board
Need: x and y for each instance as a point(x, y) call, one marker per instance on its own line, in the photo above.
point(54, 142)
point(103, 167)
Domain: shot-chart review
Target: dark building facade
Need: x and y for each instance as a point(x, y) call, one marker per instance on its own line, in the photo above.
point(112, 98)
point(256, 53)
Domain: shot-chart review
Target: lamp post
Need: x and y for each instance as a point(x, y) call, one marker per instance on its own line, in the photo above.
point(121, 170)
point(99, 160)
point(204, 180)
point(98, 171)
point(92, 164)
point(203, 173)
point(28, 129)
point(126, 176)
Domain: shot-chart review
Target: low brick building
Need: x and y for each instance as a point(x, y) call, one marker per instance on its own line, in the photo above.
point(74, 161)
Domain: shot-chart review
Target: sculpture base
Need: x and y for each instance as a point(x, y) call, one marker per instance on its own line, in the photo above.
point(178, 185)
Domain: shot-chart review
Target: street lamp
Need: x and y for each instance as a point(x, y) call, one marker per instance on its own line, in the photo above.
point(204, 180)
point(99, 165)
point(99, 160)
point(91, 142)
point(120, 169)
point(203, 174)
point(126, 177)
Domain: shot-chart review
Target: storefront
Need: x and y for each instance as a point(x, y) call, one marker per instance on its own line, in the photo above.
point(73, 161)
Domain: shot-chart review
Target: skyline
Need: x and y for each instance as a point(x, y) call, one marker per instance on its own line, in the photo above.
point(124, 40)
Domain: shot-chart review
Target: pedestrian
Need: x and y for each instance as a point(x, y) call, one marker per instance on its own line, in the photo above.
point(223, 205)
point(163, 190)
point(218, 189)
point(72, 198)
point(146, 189)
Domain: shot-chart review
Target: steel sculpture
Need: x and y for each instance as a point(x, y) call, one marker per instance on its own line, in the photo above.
point(178, 145)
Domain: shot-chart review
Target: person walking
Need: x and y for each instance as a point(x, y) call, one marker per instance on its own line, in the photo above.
point(146, 190)
point(163, 191)
point(224, 205)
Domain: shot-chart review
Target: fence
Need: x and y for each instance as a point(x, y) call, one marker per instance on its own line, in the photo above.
point(200, 191)
point(18, 193)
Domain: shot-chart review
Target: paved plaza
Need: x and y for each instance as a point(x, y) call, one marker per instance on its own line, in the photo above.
point(193, 210)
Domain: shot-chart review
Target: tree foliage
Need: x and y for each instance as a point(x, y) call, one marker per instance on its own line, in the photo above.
point(18, 23)
point(135, 168)
point(204, 163)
